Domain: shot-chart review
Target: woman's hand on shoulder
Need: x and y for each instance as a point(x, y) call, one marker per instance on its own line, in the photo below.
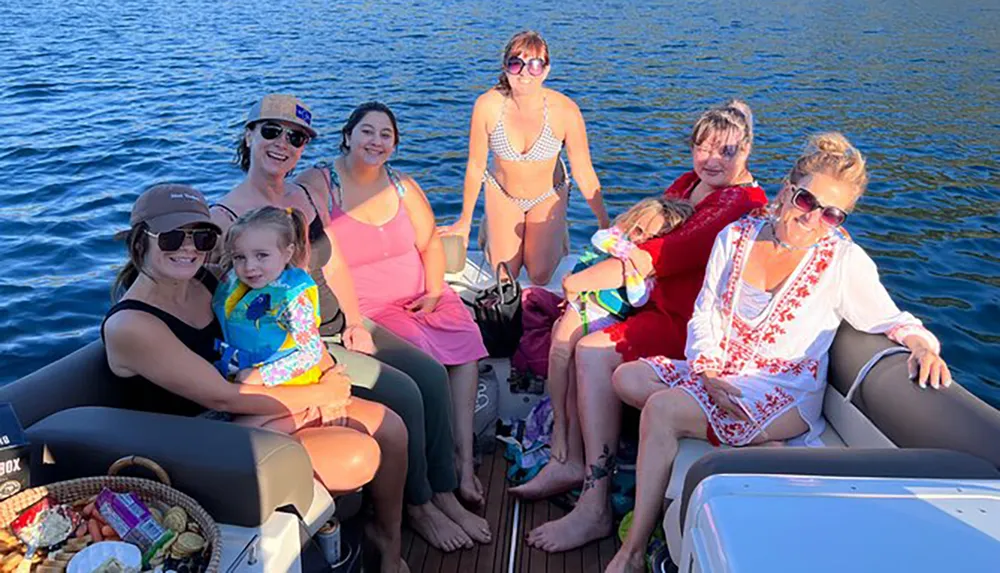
point(925, 365)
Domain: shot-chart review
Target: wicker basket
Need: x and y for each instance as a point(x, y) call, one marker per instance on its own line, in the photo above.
point(74, 490)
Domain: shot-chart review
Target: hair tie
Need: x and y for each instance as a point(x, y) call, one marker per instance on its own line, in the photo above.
point(289, 211)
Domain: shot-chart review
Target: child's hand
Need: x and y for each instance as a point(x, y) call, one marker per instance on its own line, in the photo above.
point(641, 261)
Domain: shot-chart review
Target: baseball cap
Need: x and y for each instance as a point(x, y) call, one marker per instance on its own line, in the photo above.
point(282, 107)
point(167, 206)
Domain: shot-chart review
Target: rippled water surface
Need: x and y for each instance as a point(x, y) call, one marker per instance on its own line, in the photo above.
point(97, 103)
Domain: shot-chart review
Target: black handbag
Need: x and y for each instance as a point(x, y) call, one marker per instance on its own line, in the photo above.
point(498, 313)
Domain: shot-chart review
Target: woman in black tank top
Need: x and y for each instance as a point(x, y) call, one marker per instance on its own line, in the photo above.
point(160, 344)
point(382, 367)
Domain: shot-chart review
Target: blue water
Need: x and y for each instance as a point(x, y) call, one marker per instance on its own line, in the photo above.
point(97, 103)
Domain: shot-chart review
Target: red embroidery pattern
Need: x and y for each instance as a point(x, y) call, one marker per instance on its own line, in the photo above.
point(728, 428)
point(745, 227)
point(703, 363)
point(743, 340)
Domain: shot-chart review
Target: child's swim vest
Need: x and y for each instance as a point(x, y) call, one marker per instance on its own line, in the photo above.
point(250, 326)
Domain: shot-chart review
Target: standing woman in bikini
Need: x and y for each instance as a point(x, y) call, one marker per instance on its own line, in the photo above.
point(526, 125)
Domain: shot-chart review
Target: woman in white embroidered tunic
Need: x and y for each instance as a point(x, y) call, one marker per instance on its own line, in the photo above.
point(776, 289)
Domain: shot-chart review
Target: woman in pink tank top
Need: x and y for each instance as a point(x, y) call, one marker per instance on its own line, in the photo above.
point(386, 226)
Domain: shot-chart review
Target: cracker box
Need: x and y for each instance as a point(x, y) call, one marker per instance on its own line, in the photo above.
point(15, 456)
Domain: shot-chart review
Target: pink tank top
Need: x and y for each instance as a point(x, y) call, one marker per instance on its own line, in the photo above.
point(383, 259)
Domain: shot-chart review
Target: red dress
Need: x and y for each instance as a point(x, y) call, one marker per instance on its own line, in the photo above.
point(659, 328)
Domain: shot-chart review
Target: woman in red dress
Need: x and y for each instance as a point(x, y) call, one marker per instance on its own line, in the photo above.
point(722, 190)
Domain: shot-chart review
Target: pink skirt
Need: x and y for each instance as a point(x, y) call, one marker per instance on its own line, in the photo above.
point(448, 333)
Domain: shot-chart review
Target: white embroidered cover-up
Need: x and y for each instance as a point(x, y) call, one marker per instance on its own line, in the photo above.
point(779, 360)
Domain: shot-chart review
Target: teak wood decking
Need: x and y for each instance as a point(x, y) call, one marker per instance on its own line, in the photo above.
point(494, 557)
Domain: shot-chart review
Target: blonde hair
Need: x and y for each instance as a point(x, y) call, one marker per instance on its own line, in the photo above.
point(289, 224)
point(674, 211)
point(831, 154)
point(527, 41)
point(734, 115)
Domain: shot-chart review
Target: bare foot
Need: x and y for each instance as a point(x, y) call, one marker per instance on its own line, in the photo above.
point(627, 562)
point(388, 547)
point(557, 443)
point(554, 478)
point(475, 526)
point(577, 528)
point(470, 489)
point(437, 528)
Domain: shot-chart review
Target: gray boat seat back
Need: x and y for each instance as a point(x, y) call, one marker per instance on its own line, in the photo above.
point(73, 409)
point(240, 475)
point(909, 416)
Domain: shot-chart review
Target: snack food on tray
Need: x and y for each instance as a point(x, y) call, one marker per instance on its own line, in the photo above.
point(45, 523)
point(48, 536)
point(107, 557)
point(133, 522)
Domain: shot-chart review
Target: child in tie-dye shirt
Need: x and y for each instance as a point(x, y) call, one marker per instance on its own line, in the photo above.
point(593, 310)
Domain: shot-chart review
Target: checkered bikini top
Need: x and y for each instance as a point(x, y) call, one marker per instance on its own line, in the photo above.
point(545, 147)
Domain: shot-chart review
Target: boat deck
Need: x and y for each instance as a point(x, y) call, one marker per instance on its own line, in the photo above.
point(495, 557)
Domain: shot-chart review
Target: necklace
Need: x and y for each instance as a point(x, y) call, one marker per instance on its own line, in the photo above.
point(778, 242)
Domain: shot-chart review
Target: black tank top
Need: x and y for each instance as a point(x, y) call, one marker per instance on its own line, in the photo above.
point(141, 394)
point(332, 318)
point(320, 252)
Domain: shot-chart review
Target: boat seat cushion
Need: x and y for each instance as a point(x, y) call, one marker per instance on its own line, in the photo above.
point(239, 475)
point(690, 450)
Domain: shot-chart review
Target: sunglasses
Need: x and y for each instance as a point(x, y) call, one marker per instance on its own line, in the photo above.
point(805, 201)
point(296, 138)
point(536, 66)
point(727, 152)
point(204, 239)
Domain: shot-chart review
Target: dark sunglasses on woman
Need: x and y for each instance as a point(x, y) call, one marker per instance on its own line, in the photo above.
point(536, 66)
point(296, 138)
point(805, 201)
point(204, 239)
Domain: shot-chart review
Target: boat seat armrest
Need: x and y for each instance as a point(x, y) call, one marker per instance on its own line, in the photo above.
point(239, 475)
point(842, 462)
point(79, 379)
point(951, 419)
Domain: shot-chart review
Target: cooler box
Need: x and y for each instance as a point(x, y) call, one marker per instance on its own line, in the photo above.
point(754, 523)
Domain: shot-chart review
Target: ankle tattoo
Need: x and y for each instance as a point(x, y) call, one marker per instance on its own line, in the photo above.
point(605, 467)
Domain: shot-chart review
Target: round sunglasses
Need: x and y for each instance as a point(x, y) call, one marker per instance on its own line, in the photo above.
point(296, 138)
point(805, 201)
point(514, 65)
point(204, 239)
